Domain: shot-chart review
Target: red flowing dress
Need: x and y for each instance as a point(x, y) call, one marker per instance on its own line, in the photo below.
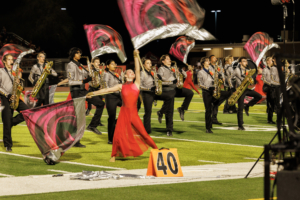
point(130, 137)
point(188, 83)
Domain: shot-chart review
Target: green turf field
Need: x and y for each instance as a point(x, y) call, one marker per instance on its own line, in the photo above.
point(226, 145)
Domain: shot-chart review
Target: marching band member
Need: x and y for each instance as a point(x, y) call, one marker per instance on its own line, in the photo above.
point(240, 73)
point(167, 74)
point(35, 73)
point(78, 76)
point(148, 92)
point(112, 100)
point(206, 83)
point(6, 88)
point(267, 88)
point(224, 94)
point(96, 67)
point(228, 72)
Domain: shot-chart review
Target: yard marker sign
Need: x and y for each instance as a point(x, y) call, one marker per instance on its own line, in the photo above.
point(164, 163)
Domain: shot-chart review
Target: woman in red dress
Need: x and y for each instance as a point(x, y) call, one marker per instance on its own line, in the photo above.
point(130, 137)
point(188, 83)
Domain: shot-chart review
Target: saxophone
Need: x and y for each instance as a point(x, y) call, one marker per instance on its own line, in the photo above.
point(17, 86)
point(240, 90)
point(178, 76)
point(158, 83)
point(217, 84)
point(41, 79)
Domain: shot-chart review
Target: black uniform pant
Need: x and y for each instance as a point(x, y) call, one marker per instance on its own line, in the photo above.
point(208, 100)
point(228, 108)
point(256, 97)
point(187, 93)
point(168, 107)
point(224, 95)
point(8, 119)
point(277, 91)
point(148, 98)
point(112, 102)
point(43, 96)
point(270, 100)
point(97, 100)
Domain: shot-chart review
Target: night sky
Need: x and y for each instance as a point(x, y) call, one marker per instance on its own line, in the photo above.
point(237, 18)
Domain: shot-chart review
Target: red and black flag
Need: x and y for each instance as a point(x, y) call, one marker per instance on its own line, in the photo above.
point(103, 39)
point(56, 127)
point(148, 20)
point(181, 48)
point(14, 49)
point(258, 45)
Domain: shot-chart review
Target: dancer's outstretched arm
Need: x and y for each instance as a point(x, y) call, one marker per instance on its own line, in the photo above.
point(137, 68)
point(105, 91)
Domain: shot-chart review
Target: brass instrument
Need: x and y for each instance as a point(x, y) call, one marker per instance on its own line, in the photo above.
point(102, 71)
point(41, 79)
point(158, 83)
point(240, 90)
point(17, 85)
point(178, 76)
point(17, 90)
point(217, 83)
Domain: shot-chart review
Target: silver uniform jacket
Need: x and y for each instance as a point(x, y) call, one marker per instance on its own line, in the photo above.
point(266, 75)
point(239, 75)
point(36, 72)
point(205, 80)
point(274, 76)
point(111, 80)
point(219, 72)
point(168, 76)
point(228, 75)
point(6, 82)
point(75, 75)
point(147, 81)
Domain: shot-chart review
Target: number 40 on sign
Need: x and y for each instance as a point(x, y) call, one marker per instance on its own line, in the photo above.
point(164, 163)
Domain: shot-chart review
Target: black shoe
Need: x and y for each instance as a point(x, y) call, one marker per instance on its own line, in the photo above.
point(87, 112)
point(8, 149)
point(94, 129)
point(160, 115)
point(225, 112)
point(208, 131)
point(241, 128)
point(100, 124)
point(181, 113)
point(169, 133)
point(78, 144)
point(217, 122)
point(246, 110)
point(234, 111)
point(109, 142)
point(271, 122)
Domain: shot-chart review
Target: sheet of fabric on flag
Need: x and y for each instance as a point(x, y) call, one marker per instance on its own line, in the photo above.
point(14, 49)
point(29, 100)
point(56, 127)
point(181, 48)
point(148, 20)
point(258, 45)
point(103, 39)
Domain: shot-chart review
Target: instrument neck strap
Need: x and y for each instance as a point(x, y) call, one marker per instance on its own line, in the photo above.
point(115, 76)
point(207, 71)
point(8, 74)
point(79, 65)
point(39, 66)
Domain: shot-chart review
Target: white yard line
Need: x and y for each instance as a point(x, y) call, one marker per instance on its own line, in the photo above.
point(6, 175)
point(187, 140)
point(68, 162)
point(207, 161)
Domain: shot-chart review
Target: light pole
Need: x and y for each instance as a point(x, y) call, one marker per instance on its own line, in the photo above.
point(215, 11)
